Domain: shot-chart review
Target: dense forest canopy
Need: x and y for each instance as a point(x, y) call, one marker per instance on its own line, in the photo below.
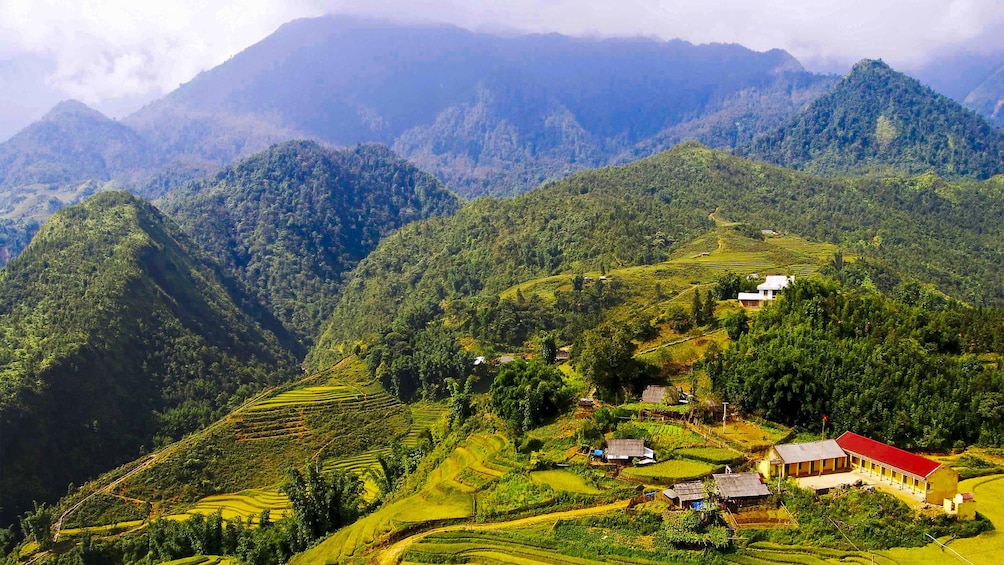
point(910, 373)
point(117, 333)
point(291, 220)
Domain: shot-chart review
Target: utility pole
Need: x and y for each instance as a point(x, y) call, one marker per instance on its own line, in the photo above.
point(725, 414)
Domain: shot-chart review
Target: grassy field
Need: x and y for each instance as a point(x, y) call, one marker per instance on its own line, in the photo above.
point(715, 455)
point(669, 472)
point(446, 494)
point(559, 479)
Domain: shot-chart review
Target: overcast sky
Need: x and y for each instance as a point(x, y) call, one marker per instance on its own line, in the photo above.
point(118, 54)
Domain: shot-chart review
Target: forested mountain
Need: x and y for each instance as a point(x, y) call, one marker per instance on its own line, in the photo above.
point(117, 333)
point(876, 120)
point(291, 220)
point(942, 233)
point(488, 114)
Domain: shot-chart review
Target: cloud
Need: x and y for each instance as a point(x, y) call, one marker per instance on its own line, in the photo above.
point(107, 50)
point(906, 33)
point(104, 49)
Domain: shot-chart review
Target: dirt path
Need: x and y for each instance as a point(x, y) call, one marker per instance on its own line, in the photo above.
point(679, 341)
point(392, 554)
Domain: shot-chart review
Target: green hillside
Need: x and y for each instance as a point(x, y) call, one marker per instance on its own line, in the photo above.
point(117, 333)
point(879, 121)
point(291, 220)
point(925, 228)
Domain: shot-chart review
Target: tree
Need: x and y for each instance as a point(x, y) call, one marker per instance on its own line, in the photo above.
point(709, 308)
point(321, 505)
point(37, 524)
point(525, 393)
point(459, 402)
point(607, 359)
point(548, 347)
point(697, 309)
point(737, 324)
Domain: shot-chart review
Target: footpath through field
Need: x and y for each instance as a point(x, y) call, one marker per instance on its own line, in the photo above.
point(392, 554)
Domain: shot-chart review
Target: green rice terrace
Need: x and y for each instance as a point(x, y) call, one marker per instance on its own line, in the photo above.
point(340, 419)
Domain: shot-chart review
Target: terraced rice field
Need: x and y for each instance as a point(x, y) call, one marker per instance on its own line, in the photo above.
point(203, 560)
point(310, 395)
point(489, 547)
point(362, 465)
point(423, 416)
point(286, 414)
point(246, 505)
point(445, 495)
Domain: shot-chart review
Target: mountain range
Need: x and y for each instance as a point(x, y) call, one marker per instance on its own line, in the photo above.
point(487, 114)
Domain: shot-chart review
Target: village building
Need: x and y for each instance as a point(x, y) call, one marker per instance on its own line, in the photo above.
point(962, 505)
point(804, 459)
point(686, 495)
point(922, 476)
point(659, 394)
point(625, 451)
point(766, 291)
point(737, 490)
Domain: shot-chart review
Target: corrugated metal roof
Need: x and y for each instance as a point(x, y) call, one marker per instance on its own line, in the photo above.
point(894, 457)
point(811, 451)
point(688, 492)
point(653, 394)
point(740, 485)
point(775, 282)
point(625, 448)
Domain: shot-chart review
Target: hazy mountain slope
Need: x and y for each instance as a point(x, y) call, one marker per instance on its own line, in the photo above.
point(486, 113)
point(988, 98)
point(291, 220)
point(116, 329)
point(947, 234)
point(876, 120)
point(70, 143)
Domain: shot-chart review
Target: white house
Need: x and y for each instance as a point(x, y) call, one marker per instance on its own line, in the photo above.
point(766, 291)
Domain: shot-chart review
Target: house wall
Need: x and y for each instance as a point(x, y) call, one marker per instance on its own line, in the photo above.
point(942, 483)
point(804, 469)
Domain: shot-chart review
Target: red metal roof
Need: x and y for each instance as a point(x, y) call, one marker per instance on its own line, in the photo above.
point(887, 454)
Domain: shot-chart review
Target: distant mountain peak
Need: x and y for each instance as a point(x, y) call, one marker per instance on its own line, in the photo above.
point(74, 108)
point(876, 120)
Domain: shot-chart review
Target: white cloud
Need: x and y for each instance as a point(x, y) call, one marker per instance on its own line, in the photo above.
point(120, 48)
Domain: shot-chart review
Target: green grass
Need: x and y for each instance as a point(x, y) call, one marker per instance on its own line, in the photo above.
point(560, 479)
point(714, 455)
point(669, 472)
